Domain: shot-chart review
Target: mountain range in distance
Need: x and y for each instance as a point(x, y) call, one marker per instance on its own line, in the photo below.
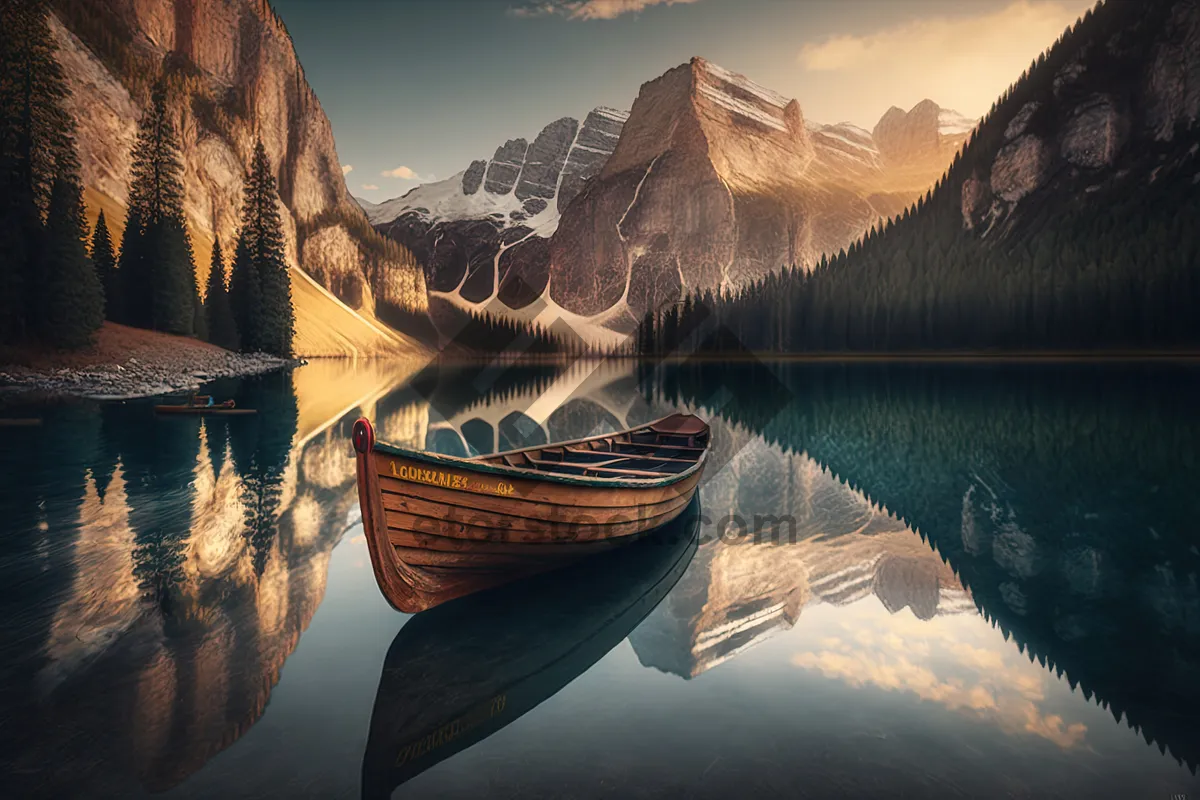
point(710, 181)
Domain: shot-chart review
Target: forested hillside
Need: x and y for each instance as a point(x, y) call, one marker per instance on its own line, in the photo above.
point(1068, 222)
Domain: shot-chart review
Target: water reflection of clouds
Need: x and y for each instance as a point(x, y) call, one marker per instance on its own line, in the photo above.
point(960, 663)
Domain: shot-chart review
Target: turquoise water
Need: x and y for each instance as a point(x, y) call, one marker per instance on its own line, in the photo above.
point(899, 581)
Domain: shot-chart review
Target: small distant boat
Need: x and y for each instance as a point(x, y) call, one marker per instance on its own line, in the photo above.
point(440, 527)
point(200, 405)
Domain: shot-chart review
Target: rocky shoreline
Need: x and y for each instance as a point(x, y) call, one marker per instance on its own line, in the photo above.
point(140, 377)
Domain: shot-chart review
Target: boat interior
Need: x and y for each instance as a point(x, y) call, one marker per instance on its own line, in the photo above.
point(666, 447)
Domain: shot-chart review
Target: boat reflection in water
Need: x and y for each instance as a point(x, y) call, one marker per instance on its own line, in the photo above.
point(458, 673)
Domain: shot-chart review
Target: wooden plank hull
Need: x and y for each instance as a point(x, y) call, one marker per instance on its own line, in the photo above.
point(439, 527)
point(456, 675)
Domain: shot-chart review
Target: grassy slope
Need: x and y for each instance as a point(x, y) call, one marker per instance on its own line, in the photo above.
point(325, 326)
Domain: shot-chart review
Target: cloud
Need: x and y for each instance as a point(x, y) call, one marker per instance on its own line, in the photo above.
point(985, 679)
point(1006, 31)
point(961, 62)
point(370, 187)
point(406, 174)
point(589, 9)
point(347, 169)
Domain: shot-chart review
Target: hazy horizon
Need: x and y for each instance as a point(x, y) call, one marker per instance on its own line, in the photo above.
point(416, 90)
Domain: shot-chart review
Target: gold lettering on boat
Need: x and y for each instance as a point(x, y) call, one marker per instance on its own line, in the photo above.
point(433, 477)
point(452, 730)
point(501, 488)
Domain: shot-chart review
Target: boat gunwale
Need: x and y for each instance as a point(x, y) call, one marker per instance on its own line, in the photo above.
point(475, 464)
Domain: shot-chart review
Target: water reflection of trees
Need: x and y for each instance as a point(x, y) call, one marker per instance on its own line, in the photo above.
point(261, 444)
point(152, 592)
point(1063, 497)
point(157, 461)
point(42, 488)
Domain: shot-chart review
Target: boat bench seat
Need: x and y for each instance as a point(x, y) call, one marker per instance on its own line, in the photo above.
point(634, 468)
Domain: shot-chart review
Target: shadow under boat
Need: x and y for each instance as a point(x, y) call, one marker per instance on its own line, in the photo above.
point(458, 673)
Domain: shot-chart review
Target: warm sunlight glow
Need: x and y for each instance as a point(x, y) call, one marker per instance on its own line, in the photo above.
point(962, 62)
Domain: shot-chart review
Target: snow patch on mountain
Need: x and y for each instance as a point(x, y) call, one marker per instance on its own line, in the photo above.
point(737, 106)
point(952, 123)
point(444, 201)
point(744, 83)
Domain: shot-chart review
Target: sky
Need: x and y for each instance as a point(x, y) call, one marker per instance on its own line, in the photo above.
point(417, 89)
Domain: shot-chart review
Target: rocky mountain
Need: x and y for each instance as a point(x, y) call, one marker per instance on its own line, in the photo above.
point(233, 76)
point(483, 233)
point(920, 142)
point(711, 181)
point(1111, 110)
point(716, 181)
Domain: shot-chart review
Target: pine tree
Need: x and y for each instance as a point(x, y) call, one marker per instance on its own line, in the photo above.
point(20, 241)
point(36, 144)
point(199, 318)
point(35, 127)
point(73, 301)
point(261, 286)
point(271, 259)
point(245, 295)
point(105, 263)
point(157, 271)
point(222, 330)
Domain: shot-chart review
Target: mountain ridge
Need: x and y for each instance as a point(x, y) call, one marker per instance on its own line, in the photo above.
point(834, 183)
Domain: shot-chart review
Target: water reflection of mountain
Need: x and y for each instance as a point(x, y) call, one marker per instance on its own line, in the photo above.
point(1064, 498)
point(162, 570)
point(487, 409)
point(460, 672)
point(818, 541)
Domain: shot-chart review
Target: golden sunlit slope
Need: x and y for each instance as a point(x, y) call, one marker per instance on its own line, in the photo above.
point(325, 326)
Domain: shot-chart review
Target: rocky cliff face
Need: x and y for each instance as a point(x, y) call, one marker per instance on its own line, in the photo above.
point(233, 76)
point(482, 234)
point(1115, 106)
point(714, 181)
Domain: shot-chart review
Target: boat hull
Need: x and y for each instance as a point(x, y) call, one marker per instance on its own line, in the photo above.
point(438, 529)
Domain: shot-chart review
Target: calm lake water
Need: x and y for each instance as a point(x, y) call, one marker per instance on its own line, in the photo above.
point(899, 581)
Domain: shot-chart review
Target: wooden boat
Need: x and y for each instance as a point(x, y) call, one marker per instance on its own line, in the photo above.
point(457, 674)
point(228, 407)
point(439, 527)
